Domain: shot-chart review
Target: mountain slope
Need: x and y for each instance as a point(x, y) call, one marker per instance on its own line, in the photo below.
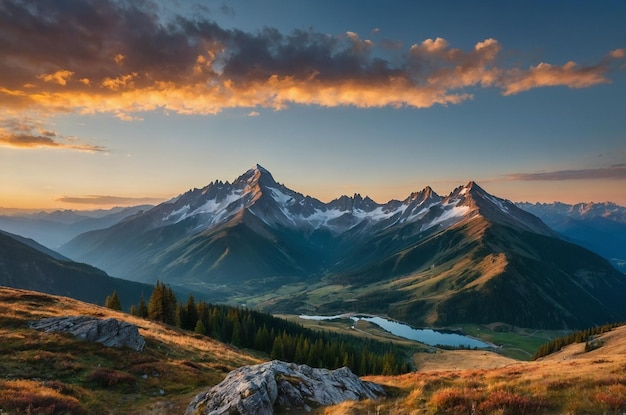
point(600, 227)
point(22, 266)
point(465, 257)
point(33, 244)
point(50, 373)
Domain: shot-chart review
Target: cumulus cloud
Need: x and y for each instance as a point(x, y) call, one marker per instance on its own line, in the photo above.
point(109, 56)
point(26, 134)
point(60, 77)
point(108, 200)
point(617, 171)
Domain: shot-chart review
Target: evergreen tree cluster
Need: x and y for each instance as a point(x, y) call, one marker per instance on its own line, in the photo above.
point(113, 302)
point(581, 336)
point(278, 338)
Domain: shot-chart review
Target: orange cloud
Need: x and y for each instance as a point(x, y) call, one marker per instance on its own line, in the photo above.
point(119, 58)
point(25, 134)
point(60, 77)
point(544, 75)
point(197, 67)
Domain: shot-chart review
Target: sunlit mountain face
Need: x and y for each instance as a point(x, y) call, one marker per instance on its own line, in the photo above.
point(429, 259)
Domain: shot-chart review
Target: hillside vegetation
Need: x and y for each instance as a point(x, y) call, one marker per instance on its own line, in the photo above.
point(52, 374)
point(45, 373)
point(571, 381)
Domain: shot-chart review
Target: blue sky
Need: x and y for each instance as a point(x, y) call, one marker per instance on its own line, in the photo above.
point(104, 103)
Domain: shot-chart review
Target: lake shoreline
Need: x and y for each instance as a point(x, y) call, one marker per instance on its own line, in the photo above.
point(429, 336)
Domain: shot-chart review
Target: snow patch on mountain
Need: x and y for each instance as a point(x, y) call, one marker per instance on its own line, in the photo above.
point(176, 214)
point(276, 205)
point(280, 197)
point(498, 202)
point(451, 215)
point(216, 207)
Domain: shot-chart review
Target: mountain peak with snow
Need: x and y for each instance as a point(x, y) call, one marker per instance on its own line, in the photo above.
point(257, 193)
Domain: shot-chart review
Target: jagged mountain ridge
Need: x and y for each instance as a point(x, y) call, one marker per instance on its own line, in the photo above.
point(255, 206)
point(257, 192)
point(254, 236)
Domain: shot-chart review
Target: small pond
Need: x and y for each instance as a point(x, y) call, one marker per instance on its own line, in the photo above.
point(426, 336)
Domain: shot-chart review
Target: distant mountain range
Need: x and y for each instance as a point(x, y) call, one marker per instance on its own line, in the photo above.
point(53, 229)
point(429, 259)
point(600, 227)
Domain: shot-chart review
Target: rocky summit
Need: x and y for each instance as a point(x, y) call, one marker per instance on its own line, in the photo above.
point(259, 389)
point(109, 332)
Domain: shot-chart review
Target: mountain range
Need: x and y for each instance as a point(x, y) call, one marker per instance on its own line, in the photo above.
point(600, 227)
point(55, 228)
point(429, 259)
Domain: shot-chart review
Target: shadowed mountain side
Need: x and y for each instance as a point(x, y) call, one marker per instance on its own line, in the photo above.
point(22, 266)
point(245, 248)
point(600, 227)
point(33, 244)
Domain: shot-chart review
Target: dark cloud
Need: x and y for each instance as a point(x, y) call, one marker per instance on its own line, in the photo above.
point(617, 171)
point(226, 9)
point(108, 200)
point(119, 57)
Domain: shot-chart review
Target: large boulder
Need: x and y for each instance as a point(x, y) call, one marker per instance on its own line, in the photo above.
point(109, 332)
point(258, 389)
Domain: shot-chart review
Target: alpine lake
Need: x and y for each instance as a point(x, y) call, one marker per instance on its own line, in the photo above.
point(427, 336)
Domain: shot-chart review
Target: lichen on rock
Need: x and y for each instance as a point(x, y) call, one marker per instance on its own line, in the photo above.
point(260, 388)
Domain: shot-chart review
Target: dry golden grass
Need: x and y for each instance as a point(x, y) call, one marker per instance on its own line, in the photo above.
point(56, 374)
point(567, 382)
point(460, 359)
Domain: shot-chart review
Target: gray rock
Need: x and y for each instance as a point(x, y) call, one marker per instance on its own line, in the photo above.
point(257, 389)
point(109, 332)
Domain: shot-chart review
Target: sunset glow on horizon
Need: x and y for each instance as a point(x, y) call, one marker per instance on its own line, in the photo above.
point(111, 103)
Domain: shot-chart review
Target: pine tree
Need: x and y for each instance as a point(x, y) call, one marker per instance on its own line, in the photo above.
point(189, 314)
point(170, 308)
point(143, 308)
point(156, 303)
point(200, 329)
point(133, 310)
point(162, 305)
point(113, 302)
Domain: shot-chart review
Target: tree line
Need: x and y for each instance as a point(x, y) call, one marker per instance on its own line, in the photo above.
point(276, 337)
point(580, 336)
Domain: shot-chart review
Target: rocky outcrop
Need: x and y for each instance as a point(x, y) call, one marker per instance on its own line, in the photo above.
point(109, 332)
point(258, 389)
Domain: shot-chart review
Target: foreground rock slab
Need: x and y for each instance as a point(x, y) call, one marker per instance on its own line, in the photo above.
point(109, 332)
point(260, 388)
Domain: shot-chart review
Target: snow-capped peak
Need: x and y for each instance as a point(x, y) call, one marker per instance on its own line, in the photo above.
point(276, 205)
